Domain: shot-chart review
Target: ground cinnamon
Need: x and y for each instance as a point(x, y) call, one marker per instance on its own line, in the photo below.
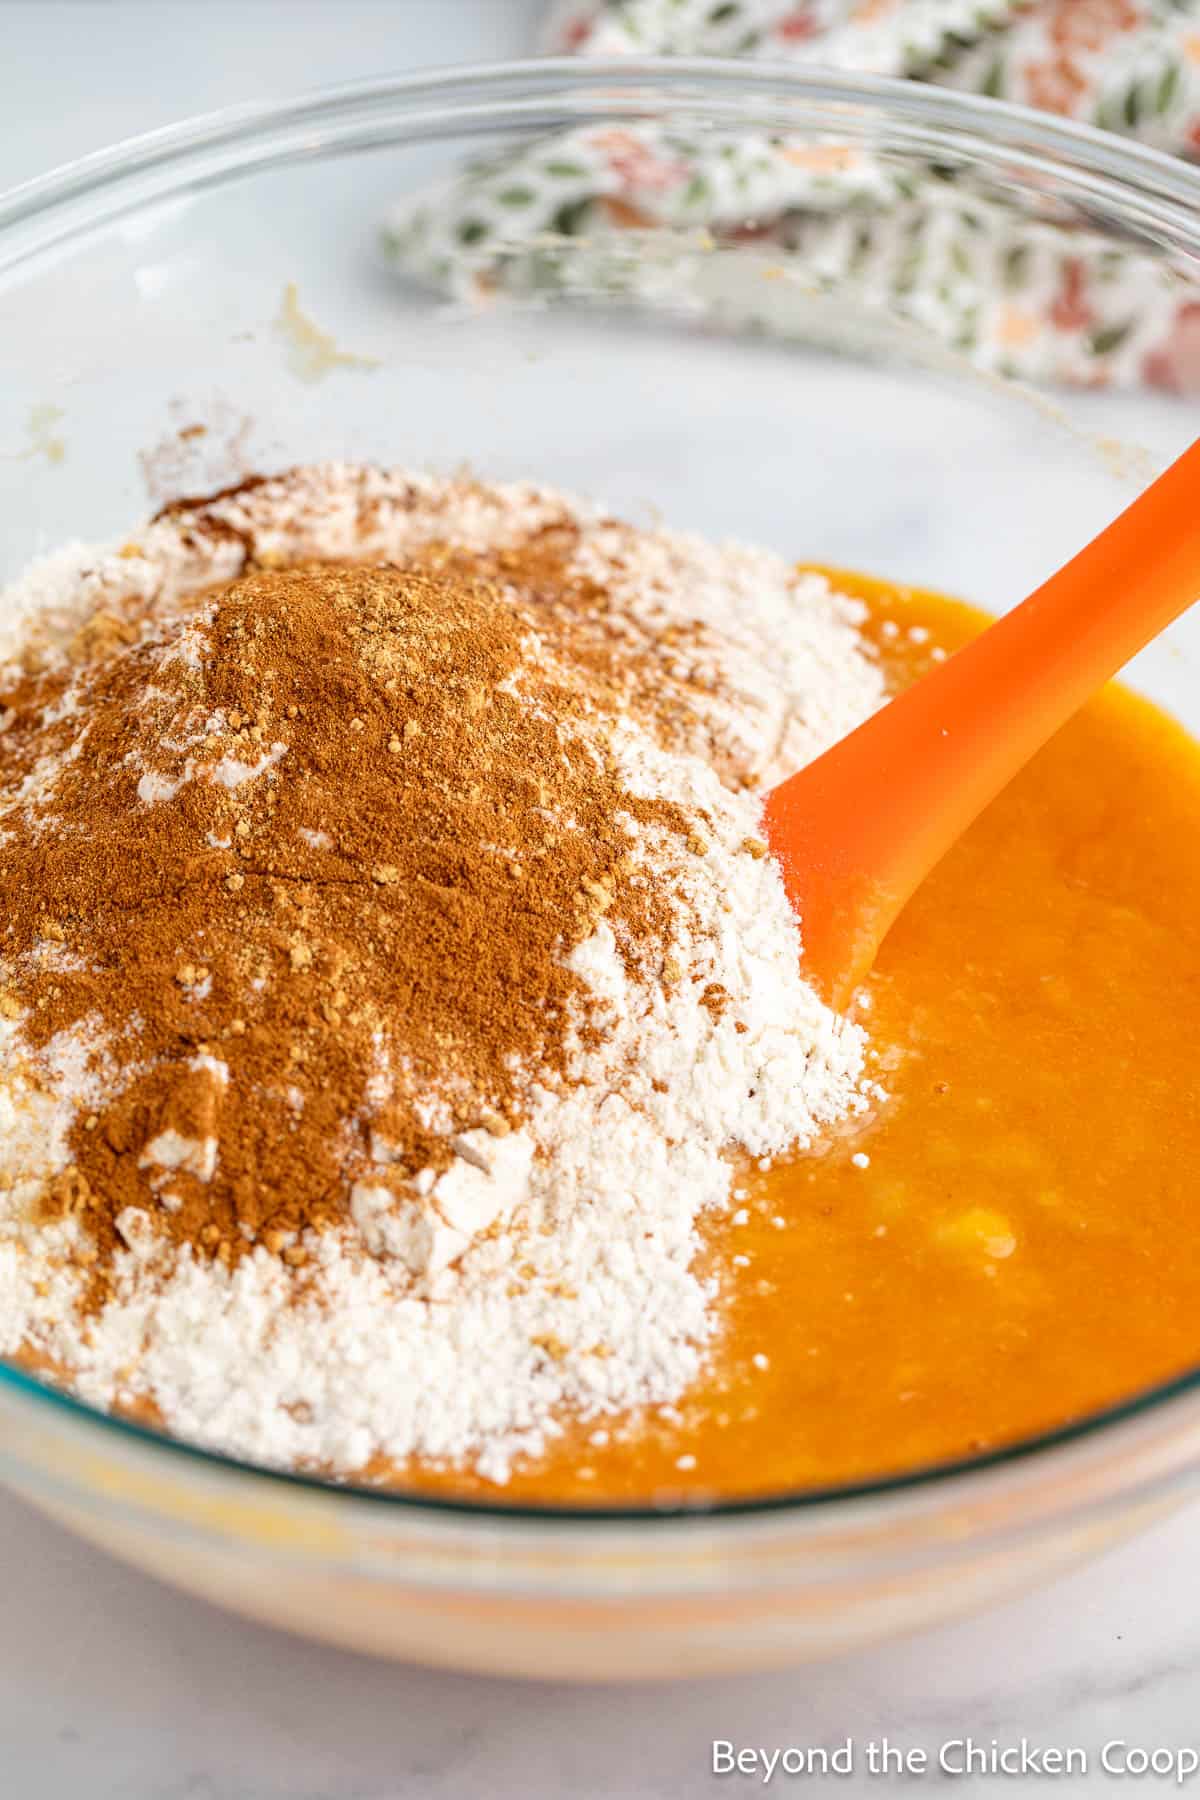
point(310, 878)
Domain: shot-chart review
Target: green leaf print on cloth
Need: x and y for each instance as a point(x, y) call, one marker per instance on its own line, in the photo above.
point(1040, 299)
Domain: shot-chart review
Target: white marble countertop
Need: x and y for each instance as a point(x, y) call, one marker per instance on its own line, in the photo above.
point(114, 1688)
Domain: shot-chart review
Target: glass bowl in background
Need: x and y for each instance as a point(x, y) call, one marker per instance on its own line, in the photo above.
point(153, 343)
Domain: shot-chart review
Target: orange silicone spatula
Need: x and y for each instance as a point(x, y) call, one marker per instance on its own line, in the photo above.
point(858, 830)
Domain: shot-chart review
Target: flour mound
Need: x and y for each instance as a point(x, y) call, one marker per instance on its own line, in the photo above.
point(532, 1259)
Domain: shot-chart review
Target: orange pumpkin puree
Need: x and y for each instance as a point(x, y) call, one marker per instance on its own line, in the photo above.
point(1018, 1250)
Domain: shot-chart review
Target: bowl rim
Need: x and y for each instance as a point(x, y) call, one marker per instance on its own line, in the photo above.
point(1160, 192)
point(1156, 192)
point(951, 1477)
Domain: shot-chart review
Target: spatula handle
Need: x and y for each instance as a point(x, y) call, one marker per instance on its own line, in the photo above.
point(860, 828)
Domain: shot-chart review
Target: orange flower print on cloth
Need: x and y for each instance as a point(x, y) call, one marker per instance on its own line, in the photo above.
point(797, 26)
point(1017, 296)
point(1069, 310)
point(1091, 24)
point(637, 164)
point(1175, 363)
point(1055, 86)
point(1076, 29)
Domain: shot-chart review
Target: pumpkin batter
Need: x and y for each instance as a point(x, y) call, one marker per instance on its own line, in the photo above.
point(1006, 1246)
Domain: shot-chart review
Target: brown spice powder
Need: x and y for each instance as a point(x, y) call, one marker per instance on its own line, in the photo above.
point(367, 930)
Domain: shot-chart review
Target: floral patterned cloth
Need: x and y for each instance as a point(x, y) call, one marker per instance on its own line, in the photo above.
point(1021, 295)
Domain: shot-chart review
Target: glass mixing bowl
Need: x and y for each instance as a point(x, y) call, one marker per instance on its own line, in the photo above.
point(143, 295)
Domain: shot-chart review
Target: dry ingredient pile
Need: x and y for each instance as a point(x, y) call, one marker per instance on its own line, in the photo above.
point(390, 958)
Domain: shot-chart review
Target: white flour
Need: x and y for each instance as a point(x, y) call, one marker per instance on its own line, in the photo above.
point(545, 1273)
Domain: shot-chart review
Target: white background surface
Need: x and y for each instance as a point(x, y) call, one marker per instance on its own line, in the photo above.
point(112, 1688)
